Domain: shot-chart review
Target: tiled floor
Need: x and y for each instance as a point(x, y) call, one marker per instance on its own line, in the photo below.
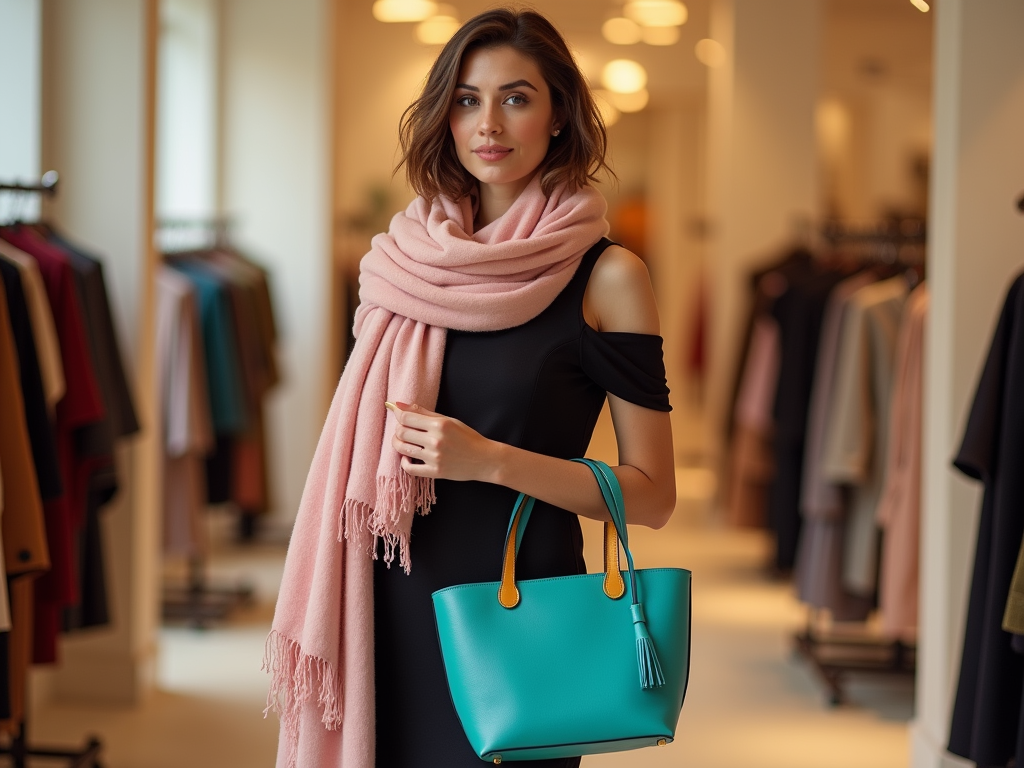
point(750, 702)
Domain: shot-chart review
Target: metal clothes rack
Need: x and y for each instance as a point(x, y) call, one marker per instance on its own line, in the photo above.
point(836, 654)
point(198, 602)
point(20, 750)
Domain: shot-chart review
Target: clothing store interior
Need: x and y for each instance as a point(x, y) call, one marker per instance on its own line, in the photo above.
point(829, 198)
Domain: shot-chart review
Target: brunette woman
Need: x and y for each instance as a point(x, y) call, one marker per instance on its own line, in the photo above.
point(495, 319)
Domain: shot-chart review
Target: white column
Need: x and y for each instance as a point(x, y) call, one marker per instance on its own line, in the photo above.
point(762, 165)
point(276, 182)
point(98, 108)
point(976, 246)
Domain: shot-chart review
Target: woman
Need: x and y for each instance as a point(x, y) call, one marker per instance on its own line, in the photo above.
point(495, 317)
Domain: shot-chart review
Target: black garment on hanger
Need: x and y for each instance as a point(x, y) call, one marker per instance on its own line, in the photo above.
point(40, 432)
point(798, 311)
point(986, 723)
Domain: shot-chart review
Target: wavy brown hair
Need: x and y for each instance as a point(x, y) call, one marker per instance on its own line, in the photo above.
point(574, 157)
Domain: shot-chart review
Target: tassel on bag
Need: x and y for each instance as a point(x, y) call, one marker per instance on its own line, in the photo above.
point(651, 675)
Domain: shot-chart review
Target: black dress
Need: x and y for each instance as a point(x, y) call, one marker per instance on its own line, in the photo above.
point(539, 386)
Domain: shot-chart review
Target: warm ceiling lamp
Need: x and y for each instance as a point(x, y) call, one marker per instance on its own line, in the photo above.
point(660, 35)
point(921, 5)
point(630, 102)
point(438, 29)
point(710, 53)
point(621, 31)
point(656, 13)
point(623, 76)
point(403, 10)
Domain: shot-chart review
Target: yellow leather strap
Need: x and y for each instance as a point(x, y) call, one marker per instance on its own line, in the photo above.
point(614, 586)
point(508, 592)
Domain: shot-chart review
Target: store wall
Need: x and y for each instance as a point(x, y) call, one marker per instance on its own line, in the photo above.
point(20, 42)
point(276, 187)
point(762, 179)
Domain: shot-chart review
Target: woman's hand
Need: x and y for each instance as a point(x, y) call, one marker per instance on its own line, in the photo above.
point(447, 448)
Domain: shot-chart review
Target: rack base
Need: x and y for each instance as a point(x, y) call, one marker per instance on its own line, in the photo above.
point(21, 753)
point(834, 656)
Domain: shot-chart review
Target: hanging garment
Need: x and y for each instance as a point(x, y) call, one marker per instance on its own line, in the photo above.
point(899, 510)
point(47, 345)
point(985, 725)
point(819, 570)
point(81, 406)
point(751, 459)
point(95, 442)
point(185, 406)
point(40, 433)
point(857, 434)
point(225, 379)
point(798, 311)
point(23, 531)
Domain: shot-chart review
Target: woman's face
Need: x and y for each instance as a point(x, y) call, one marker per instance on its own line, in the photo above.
point(502, 118)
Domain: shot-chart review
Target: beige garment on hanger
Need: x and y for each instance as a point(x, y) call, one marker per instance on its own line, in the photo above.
point(899, 511)
point(857, 436)
point(44, 331)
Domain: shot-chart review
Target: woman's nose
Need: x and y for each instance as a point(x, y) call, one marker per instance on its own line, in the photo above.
point(490, 121)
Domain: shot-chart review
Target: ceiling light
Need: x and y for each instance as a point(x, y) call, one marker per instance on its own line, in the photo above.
point(656, 13)
point(623, 76)
point(921, 5)
point(621, 31)
point(438, 30)
point(710, 53)
point(630, 102)
point(609, 113)
point(403, 10)
point(661, 35)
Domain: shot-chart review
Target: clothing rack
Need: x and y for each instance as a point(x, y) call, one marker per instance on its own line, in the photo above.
point(46, 185)
point(899, 241)
point(834, 655)
point(20, 750)
point(198, 602)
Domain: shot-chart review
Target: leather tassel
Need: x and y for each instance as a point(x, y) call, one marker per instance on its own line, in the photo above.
point(651, 675)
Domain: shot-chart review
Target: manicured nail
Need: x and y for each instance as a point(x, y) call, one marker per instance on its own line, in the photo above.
point(391, 406)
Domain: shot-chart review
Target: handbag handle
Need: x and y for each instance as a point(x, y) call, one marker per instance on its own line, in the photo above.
point(651, 675)
point(614, 531)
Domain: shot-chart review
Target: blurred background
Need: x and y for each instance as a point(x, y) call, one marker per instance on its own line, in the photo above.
point(825, 193)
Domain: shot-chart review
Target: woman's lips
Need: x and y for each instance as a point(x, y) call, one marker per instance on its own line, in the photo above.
point(492, 152)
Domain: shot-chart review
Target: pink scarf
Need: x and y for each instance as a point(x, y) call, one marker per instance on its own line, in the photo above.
point(430, 272)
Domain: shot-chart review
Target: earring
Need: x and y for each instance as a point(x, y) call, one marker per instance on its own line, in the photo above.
point(556, 131)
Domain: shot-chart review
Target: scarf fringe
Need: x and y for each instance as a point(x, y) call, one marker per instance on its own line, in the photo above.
point(296, 678)
point(397, 499)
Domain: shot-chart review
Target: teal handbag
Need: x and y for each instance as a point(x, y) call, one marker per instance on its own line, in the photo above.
point(560, 667)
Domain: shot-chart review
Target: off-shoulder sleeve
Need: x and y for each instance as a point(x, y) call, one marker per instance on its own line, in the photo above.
point(628, 365)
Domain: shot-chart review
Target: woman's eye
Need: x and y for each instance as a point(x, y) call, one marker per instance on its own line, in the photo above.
point(516, 99)
point(465, 101)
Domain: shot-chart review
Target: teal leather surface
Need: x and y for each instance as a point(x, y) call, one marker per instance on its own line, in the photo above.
point(556, 676)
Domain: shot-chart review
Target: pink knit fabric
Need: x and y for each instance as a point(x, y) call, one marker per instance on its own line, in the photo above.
point(430, 272)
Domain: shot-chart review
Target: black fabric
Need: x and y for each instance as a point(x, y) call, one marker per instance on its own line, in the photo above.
point(798, 310)
point(40, 431)
point(536, 387)
point(987, 711)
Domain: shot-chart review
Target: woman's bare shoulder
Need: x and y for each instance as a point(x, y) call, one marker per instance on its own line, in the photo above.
point(619, 295)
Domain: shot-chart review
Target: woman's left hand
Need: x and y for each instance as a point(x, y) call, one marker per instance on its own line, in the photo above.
point(448, 448)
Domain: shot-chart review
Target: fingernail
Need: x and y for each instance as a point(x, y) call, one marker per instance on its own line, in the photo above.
point(391, 406)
